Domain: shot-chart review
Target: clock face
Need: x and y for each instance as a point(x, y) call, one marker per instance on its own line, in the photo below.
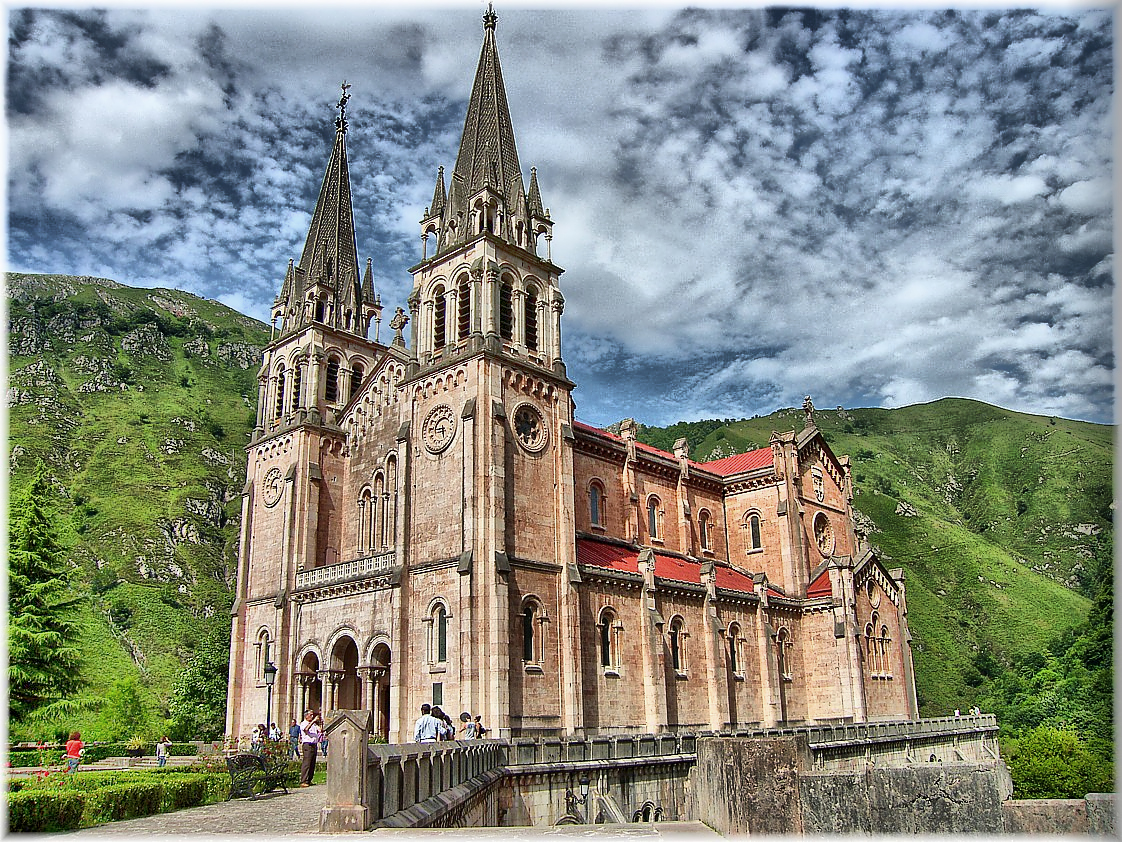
point(439, 428)
point(272, 487)
point(529, 427)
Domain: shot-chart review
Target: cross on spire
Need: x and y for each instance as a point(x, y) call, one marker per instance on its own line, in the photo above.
point(341, 120)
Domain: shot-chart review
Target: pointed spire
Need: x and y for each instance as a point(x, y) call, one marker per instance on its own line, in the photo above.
point(369, 296)
point(535, 199)
point(438, 194)
point(330, 256)
point(487, 150)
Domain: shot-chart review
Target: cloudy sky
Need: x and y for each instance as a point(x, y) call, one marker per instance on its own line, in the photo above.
point(874, 207)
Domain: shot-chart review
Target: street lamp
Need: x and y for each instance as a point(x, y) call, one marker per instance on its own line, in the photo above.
point(571, 800)
point(270, 679)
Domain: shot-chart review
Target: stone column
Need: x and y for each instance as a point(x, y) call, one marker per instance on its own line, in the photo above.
point(518, 318)
point(557, 308)
point(490, 300)
point(451, 316)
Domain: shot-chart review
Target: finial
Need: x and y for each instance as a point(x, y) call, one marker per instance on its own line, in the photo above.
point(808, 408)
point(341, 120)
point(490, 18)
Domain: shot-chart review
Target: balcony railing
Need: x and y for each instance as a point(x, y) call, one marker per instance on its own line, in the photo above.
point(346, 571)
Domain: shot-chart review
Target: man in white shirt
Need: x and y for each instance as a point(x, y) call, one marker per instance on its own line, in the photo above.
point(310, 734)
point(427, 728)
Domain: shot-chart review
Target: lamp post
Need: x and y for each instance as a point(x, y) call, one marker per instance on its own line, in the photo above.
point(270, 671)
point(571, 800)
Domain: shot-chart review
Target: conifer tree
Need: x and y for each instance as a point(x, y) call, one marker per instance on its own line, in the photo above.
point(42, 660)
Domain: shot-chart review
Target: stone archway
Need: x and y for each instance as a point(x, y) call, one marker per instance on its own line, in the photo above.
point(345, 683)
point(309, 686)
point(379, 684)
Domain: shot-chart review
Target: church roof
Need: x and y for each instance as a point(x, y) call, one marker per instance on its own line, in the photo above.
point(820, 586)
point(487, 151)
point(760, 458)
point(625, 559)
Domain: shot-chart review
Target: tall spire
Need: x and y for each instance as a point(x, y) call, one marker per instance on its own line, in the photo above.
point(330, 257)
point(488, 155)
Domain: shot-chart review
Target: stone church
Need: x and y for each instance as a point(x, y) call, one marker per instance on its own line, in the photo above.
point(424, 519)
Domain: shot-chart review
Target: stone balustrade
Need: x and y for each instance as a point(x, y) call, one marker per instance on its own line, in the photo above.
point(346, 571)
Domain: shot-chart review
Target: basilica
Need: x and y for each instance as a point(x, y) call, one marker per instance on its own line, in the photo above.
point(425, 520)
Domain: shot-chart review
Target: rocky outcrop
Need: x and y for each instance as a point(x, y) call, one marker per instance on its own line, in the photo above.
point(241, 354)
point(146, 340)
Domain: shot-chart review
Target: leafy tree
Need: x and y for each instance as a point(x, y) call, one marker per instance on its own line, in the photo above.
point(198, 699)
point(125, 710)
point(42, 659)
point(1055, 763)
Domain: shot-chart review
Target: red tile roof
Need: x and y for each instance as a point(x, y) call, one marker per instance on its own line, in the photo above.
point(820, 586)
point(759, 458)
point(626, 559)
point(728, 466)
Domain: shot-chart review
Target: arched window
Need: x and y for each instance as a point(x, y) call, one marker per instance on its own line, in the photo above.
point(883, 645)
point(297, 377)
point(871, 648)
point(596, 503)
point(264, 653)
point(438, 633)
point(378, 515)
point(365, 515)
point(530, 311)
point(734, 642)
point(783, 653)
point(676, 638)
point(278, 408)
point(653, 512)
point(609, 629)
point(533, 632)
point(463, 305)
point(391, 502)
point(357, 373)
point(704, 525)
point(753, 535)
point(439, 314)
point(506, 310)
point(331, 384)
point(319, 310)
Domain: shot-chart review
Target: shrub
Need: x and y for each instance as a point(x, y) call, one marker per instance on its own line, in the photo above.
point(40, 810)
point(123, 801)
point(183, 791)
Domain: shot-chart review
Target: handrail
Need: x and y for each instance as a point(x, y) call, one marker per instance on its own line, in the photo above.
point(346, 571)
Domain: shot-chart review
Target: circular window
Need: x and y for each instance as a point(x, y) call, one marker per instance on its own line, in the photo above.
point(823, 534)
point(529, 427)
point(438, 429)
point(872, 592)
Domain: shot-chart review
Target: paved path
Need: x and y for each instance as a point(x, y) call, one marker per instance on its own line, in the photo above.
point(275, 814)
point(297, 814)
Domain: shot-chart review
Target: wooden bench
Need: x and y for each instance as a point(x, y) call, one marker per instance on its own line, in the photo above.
point(253, 774)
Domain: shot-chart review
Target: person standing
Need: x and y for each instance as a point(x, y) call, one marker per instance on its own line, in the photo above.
point(162, 751)
point(427, 728)
point(274, 733)
point(294, 739)
point(468, 727)
point(73, 751)
point(310, 735)
point(479, 729)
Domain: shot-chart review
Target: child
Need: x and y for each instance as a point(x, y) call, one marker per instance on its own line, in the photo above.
point(73, 752)
point(479, 729)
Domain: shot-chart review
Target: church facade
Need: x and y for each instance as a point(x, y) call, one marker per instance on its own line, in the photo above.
point(424, 519)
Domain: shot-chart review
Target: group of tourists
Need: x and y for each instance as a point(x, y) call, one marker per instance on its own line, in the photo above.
point(75, 748)
point(434, 725)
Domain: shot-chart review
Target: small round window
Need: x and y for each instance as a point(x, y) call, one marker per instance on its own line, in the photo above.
point(529, 427)
point(823, 534)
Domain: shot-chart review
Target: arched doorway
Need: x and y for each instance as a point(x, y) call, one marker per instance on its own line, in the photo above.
point(344, 675)
point(380, 689)
point(309, 687)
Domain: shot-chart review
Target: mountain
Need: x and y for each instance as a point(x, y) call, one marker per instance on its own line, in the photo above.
point(1000, 520)
point(140, 402)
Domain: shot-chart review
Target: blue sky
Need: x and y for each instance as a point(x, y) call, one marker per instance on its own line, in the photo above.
point(873, 207)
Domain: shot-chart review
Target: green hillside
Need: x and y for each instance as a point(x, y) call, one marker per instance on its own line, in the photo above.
point(139, 401)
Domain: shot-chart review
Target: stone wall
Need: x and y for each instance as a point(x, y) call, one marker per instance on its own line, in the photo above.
point(776, 785)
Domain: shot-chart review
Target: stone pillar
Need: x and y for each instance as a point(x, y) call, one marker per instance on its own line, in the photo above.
point(518, 320)
point(650, 642)
point(555, 334)
point(491, 300)
point(345, 804)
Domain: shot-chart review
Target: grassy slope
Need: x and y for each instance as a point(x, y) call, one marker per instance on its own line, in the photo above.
point(132, 471)
point(995, 556)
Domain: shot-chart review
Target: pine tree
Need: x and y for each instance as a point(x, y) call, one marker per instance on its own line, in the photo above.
point(42, 660)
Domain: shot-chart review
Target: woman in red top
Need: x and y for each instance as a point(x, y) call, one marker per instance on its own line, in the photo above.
point(73, 751)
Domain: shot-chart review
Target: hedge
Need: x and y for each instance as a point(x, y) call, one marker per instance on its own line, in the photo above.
point(23, 758)
point(36, 811)
point(72, 801)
